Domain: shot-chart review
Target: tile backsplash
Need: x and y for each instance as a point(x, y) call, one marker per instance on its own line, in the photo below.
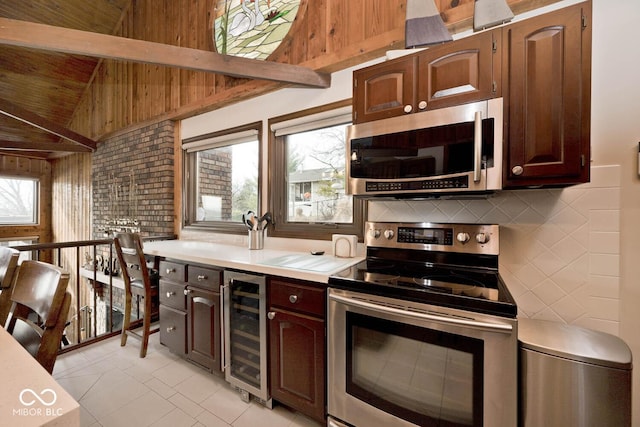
point(559, 248)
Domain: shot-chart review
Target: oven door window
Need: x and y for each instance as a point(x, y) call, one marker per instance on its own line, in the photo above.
point(424, 376)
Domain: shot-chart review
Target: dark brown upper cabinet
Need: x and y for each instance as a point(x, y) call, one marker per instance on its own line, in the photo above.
point(458, 72)
point(547, 88)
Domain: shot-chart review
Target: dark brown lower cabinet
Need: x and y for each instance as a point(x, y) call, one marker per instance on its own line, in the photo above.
point(203, 339)
point(297, 362)
point(297, 346)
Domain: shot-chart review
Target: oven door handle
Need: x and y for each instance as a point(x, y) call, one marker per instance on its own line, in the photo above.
point(496, 327)
point(477, 146)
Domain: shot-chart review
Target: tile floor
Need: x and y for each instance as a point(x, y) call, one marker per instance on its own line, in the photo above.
point(117, 388)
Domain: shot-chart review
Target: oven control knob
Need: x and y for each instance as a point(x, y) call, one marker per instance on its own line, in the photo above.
point(388, 233)
point(375, 233)
point(482, 238)
point(463, 237)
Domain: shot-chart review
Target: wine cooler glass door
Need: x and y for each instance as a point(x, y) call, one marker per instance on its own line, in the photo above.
point(245, 333)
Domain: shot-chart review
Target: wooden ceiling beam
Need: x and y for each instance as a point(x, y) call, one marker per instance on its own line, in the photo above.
point(46, 37)
point(44, 146)
point(14, 111)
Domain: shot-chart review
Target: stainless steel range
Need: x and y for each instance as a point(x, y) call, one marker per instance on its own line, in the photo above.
point(423, 331)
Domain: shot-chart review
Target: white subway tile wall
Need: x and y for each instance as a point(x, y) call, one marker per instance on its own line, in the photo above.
point(559, 248)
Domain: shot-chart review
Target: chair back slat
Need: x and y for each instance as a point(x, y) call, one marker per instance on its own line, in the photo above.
point(40, 287)
point(131, 257)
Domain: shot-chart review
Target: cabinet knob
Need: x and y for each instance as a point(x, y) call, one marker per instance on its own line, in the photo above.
point(422, 105)
point(517, 170)
point(293, 299)
point(170, 294)
point(408, 108)
point(271, 315)
point(170, 270)
point(171, 329)
point(202, 277)
point(187, 291)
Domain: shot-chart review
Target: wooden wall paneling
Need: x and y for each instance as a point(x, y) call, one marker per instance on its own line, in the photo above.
point(172, 74)
point(205, 43)
point(316, 29)
point(358, 14)
point(338, 24)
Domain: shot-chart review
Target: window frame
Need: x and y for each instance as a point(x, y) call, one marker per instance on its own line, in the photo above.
point(190, 183)
point(278, 188)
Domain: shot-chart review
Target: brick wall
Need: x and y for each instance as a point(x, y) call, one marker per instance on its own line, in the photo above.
point(133, 182)
point(214, 178)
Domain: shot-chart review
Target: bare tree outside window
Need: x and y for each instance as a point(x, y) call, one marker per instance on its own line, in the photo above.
point(18, 200)
point(316, 165)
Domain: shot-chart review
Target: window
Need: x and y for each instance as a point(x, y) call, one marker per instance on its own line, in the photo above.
point(222, 178)
point(18, 200)
point(307, 175)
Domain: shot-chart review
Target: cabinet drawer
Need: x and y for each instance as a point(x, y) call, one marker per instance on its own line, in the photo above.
point(172, 295)
point(173, 271)
point(297, 297)
point(173, 329)
point(203, 277)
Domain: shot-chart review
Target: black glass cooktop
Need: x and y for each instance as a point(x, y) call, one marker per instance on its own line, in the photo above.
point(462, 282)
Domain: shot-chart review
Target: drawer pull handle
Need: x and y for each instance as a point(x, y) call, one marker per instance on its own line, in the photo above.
point(171, 270)
point(293, 299)
point(170, 294)
point(187, 291)
point(171, 329)
point(271, 315)
point(202, 277)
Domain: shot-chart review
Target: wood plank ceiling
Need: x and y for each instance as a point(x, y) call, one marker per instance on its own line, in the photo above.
point(49, 50)
point(44, 88)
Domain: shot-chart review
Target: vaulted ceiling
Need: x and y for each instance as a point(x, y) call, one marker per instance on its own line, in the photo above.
point(49, 50)
point(40, 89)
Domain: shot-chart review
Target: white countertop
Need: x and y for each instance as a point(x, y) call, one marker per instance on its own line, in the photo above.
point(293, 264)
point(29, 396)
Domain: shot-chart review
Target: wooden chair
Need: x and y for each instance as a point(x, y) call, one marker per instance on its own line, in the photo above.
point(138, 281)
point(39, 310)
point(8, 264)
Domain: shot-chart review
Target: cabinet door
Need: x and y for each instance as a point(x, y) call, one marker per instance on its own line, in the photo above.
point(463, 71)
point(547, 116)
point(297, 353)
point(203, 332)
point(384, 90)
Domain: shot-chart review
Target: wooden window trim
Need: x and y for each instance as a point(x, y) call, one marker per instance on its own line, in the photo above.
point(277, 190)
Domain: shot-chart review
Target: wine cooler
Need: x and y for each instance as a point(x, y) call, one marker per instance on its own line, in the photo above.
point(245, 334)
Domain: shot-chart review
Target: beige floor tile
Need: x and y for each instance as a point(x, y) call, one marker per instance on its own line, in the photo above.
point(200, 387)
point(226, 404)
point(115, 387)
point(207, 419)
point(175, 418)
point(188, 406)
point(142, 411)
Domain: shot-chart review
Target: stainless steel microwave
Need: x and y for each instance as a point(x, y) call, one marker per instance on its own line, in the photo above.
point(449, 150)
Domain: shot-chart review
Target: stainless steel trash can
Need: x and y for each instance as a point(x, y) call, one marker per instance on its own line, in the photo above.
point(572, 376)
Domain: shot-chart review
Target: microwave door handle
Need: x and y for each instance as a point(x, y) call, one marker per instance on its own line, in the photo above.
point(477, 146)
